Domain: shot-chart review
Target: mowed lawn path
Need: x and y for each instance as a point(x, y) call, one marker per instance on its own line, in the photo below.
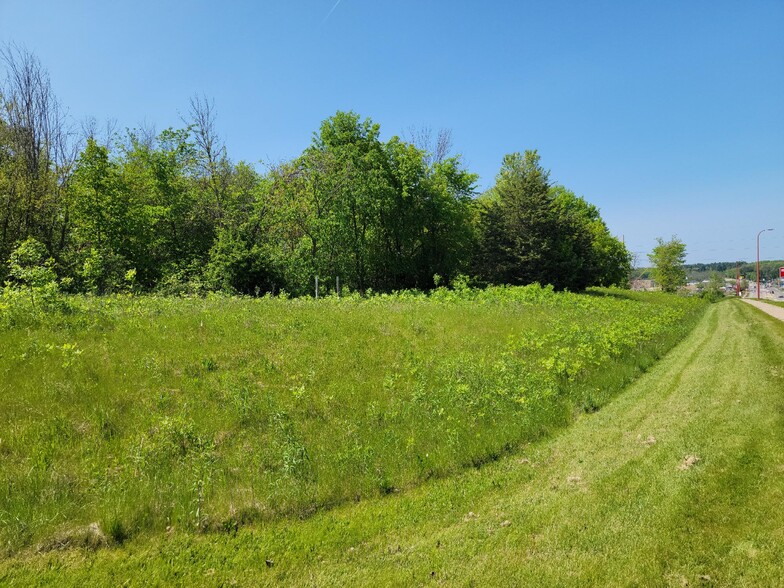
point(678, 481)
point(772, 310)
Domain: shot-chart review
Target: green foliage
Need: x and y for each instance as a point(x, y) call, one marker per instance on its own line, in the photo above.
point(769, 270)
point(668, 259)
point(99, 203)
point(204, 413)
point(33, 295)
point(104, 272)
point(32, 269)
point(518, 226)
point(371, 214)
point(34, 163)
point(236, 266)
point(593, 254)
point(530, 231)
point(714, 291)
point(31, 266)
point(588, 494)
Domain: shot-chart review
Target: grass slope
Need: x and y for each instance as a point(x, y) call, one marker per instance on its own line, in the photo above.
point(135, 415)
point(679, 480)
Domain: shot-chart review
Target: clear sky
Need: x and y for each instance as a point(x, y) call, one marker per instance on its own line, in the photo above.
point(669, 116)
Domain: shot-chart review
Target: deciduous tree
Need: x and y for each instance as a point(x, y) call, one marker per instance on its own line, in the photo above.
point(668, 258)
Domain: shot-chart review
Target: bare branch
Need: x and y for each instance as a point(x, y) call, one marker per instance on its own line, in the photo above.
point(422, 138)
point(147, 134)
point(202, 119)
point(214, 163)
point(43, 142)
point(89, 128)
point(443, 146)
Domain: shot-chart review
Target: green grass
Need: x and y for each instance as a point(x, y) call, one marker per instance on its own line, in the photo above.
point(135, 415)
point(608, 501)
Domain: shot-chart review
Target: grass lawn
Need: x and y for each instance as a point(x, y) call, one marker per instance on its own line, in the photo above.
point(679, 480)
point(136, 415)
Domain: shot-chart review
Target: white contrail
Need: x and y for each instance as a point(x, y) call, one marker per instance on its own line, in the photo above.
point(331, 11)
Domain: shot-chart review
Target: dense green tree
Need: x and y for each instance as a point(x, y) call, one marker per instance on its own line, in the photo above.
point(172, 218)
point(172, 212)
point(140, 207)
point(99, 206)
point(714, 289)
point(530, 231)
point(575, 260)
point(594, 256)
point(242, 257)
point(446, 235)
point(239, 265)
point(101, 221)
point(374, 214)
point(668, 258)
point(519, 236)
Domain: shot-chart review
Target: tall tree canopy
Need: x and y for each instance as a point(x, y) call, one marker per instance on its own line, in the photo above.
point(531, 232)
point(374, 214)
point(171, 211)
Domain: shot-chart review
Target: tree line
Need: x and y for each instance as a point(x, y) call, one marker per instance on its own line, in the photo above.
point(769, 270)
point(172, 212)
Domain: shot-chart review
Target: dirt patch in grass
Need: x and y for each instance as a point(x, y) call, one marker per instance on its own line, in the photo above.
point(90, 537)
point(688, 462)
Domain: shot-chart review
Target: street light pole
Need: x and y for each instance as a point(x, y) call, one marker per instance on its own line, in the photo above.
point(758, 262)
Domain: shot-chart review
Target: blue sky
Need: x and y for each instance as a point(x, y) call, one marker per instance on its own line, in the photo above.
point(669, 116)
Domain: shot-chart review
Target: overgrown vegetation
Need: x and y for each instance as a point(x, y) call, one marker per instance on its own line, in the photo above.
point(139, 413)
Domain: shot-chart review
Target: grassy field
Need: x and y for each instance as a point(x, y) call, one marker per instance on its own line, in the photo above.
point(131, 416)
point(676, 482)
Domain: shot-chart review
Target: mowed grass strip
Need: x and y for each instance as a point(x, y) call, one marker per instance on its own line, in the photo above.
point(139, 415)
point(679, 481)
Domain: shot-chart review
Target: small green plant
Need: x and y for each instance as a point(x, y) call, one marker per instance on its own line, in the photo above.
point(117, 531)
point(33, 269)
point(69, 352)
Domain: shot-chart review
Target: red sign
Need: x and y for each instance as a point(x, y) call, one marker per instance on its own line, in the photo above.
point(781, 273)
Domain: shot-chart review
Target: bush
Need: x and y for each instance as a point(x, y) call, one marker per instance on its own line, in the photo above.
point(106, 272)
point(34, 288)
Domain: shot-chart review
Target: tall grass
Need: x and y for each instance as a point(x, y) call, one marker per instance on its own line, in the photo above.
point(144, 413)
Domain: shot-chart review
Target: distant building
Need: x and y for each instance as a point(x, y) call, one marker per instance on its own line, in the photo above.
point(642, 285)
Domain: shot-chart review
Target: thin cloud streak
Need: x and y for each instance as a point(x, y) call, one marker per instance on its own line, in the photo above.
point(330, 12)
